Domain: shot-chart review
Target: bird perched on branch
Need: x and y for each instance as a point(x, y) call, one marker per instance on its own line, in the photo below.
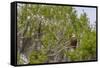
point(73, 41)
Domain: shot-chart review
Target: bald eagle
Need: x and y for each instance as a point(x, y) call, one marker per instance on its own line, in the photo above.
point(73, 41)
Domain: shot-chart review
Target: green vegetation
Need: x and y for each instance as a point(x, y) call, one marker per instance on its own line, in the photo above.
point(46, 32)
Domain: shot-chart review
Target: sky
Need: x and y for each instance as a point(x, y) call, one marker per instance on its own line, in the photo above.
point(90, 11)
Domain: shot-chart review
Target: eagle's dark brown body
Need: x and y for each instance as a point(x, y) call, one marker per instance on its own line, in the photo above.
point(73, 42)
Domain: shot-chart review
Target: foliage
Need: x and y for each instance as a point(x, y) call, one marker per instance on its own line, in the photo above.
point(52, 27)
point(37, 57)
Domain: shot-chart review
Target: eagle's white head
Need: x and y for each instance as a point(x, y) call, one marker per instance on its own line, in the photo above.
point(73, 35)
